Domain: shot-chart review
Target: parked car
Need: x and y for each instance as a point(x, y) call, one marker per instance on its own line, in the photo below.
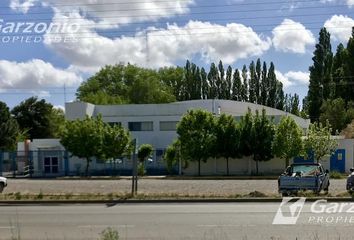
point(3, 183)
point(350, 181)
point(303, 177)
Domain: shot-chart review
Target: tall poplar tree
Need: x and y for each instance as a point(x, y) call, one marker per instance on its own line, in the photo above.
point(320, 75)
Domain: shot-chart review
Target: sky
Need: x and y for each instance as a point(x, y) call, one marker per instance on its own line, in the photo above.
point(48, 47)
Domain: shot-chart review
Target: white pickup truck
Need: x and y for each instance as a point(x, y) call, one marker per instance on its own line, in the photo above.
point(3, 183)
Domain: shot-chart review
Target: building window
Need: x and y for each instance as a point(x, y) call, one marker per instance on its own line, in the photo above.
point(140, 126)
point(168, 126)
point(51, 165)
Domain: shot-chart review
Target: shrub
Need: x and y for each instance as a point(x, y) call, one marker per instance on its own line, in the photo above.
point(109, 234)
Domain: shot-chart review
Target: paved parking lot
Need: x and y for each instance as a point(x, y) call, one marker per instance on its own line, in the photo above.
point(153, 186)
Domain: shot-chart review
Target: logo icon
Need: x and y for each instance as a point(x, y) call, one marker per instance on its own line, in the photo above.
point(289, 211)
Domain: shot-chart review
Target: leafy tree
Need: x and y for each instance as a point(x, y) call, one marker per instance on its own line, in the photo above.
point(246, 126)
point(92, 138)
point(172, 77)
point(212, 78)
point(228, 84)
point(37, 116)
point(262, 138)
point(338, 73)
point(258, 79)
point(320, 75)
point(245, 89)
point(115, 143)
point(9, 129)
point(237, 89)
point(220, 82)
point(252, 84)
point(349, 68)
point(334, 111)
point(295, 105)
point(145, 150)
point(126, 84)
point(319, 142)
point(172, 155)
point(205, 84)
point(279, 99)
point(264, 85)
point(287, 142)
point(273, 88)
point(195, 133)
point(227, 141)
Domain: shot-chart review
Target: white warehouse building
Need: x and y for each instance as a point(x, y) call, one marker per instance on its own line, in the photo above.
point(156, 123)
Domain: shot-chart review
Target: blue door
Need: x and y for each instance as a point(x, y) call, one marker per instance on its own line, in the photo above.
point(338, 161)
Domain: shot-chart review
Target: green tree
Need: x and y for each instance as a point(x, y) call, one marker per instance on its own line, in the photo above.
point(237, 90)
point(92, 138)
point(228, 84)
point(127, 84)
point(320, 75)
point(172, 155)
point(349, 68)
point(246, 126)
point(287, 142)
point(172, 77)
point(338, 73)
point(334, 111)
point(36, 116)
point(145, 151)
point(196, 135)
point(212, 79)
point(264, 88)
point(252, 83)
point(245, 89)
point(262, 138)
point(272, 81)
point(9, 129)
point(319, 141)
point(258, 79)
point(279, 100)
point(227, 141)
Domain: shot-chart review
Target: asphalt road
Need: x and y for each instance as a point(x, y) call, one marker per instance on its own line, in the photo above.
point(217, 221)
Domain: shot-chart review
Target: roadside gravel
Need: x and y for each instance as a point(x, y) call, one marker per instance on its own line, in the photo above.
point(152, 186)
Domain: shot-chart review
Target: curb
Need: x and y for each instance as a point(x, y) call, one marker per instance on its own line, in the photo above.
point(152, 201)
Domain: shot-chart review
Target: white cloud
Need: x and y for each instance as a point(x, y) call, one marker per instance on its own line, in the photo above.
point(293, 78)
point(110, 14)
point(350, 3)
point(298, 77)
point(165, 45)
point(291, 36)
point(340, 27)
point(22, 5)
point(283, 79)
point(35, 74)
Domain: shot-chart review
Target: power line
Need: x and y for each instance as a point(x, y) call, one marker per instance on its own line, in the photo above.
point(171, 8)
point(158, 33)
point(65, 18)
point(161, 1)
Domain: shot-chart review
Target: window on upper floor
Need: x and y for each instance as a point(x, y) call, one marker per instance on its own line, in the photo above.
point(140, 126)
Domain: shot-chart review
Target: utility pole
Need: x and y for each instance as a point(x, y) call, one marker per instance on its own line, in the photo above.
point(134, 169)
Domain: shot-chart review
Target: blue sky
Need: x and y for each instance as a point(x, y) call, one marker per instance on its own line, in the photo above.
point(48, 46)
